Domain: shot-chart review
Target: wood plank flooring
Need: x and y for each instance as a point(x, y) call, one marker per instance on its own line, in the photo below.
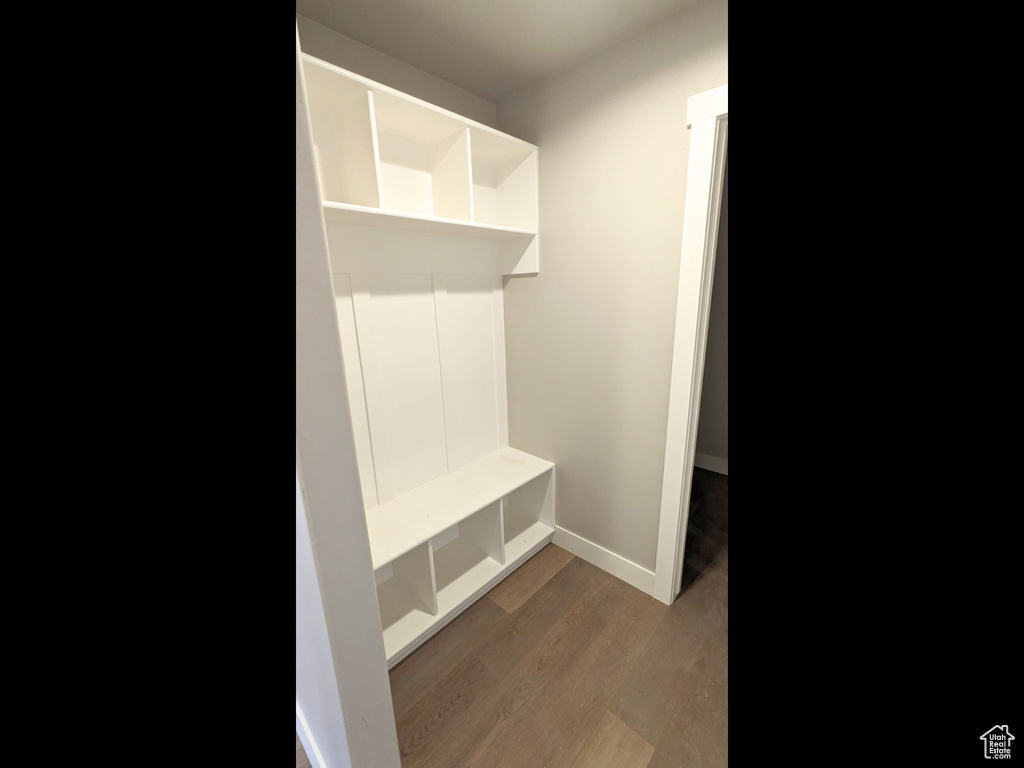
point(301, 761)
point(563, 666)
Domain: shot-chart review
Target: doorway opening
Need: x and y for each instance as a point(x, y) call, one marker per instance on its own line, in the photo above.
point(707, 532)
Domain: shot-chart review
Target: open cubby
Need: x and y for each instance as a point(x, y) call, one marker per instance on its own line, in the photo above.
point(421, 167)
point(424, 160)
point(406, 597)
point(342, 119)
point(504, 180)
point(467, 556)
point(446, 542)
point(529, 515)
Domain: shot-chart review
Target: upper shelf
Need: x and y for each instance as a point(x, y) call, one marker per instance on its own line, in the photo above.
point(408, 520)
point(340, 213)
point(416, 165)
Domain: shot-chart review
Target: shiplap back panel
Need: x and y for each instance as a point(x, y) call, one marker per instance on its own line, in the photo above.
point(465, 318)
point(425, 359)
point(397, 332)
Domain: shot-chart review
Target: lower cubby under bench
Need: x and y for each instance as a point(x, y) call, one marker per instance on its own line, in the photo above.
point(439, 547)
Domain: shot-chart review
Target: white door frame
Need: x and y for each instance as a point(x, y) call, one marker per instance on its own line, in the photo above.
point(707, 117)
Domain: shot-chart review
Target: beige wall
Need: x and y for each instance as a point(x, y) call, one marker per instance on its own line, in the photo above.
point(713, 427)
point(341, 51)
point(589, 340)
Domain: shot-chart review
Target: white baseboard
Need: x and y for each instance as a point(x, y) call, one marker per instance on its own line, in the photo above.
point(595, 554)
point(711, 463)
point(316, 760)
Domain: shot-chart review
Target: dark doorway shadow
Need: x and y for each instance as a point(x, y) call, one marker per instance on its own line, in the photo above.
point(707, 530)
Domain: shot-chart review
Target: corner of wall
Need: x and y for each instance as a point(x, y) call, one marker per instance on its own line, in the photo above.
point(335, 48)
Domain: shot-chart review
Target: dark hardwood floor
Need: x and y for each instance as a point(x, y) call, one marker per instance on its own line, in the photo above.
point(301, 761)
point(707, 530)
point(564, 666)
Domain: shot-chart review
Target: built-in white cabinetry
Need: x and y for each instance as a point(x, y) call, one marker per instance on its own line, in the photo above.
point(390, 160)
point(426, 211)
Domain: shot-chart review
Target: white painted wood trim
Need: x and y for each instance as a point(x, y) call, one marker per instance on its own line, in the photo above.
point(469, 177)
point(316, 760)
point(354, 379)
point(705, 173)
point(606, 560)
point(501, 531)
point(500, 384)
point(711, 463)
point(361, 215)
point(376, 148)
point(434, 607)
point(440, 288)
point(708, 105)
point(365, 333)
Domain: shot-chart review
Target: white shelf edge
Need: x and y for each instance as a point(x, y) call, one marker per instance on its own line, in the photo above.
point(387, 523)
point(444, 618)
point(347, 213)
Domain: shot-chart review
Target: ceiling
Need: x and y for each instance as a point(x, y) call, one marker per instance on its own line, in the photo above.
point(489, 47)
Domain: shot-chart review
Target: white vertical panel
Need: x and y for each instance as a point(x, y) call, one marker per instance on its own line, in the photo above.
point(466, 337)
point(357, 174)
point(547, 509)
point(469, 154)
point(362, 310)
point(376, 150)
point(354, 380)
point(433, 577)
point(501, 393)
point(440, 314)
point(501, 530)
point(453, 194)
point(401, 373)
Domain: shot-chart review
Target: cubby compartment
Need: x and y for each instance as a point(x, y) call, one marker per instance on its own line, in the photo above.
point(342, 119)
point(467, 556)
point(387, 160)
point(406, 597)
point(504, 180)
point(454, 536)
point(424, 160)
point(528, 514)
